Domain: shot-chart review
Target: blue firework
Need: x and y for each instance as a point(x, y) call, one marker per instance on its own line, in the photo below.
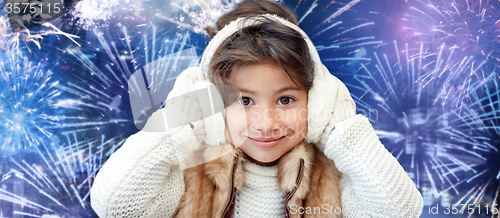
point(466, 31)
point(438, 137)
point(55, 180)
point(27, 108)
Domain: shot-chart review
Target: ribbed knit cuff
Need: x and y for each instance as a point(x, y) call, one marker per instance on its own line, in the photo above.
point(181, 142)
point(342, 146)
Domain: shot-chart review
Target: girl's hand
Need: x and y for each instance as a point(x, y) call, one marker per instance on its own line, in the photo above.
point(344, 109)
point(173, 125)
point(182, 115)
point(351, 139)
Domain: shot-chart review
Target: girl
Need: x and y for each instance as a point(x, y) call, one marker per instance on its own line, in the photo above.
point(290, 145)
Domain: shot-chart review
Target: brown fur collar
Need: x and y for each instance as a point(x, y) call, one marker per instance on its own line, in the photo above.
point(208, 186)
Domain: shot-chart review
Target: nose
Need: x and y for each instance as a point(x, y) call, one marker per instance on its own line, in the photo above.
point(264, 120)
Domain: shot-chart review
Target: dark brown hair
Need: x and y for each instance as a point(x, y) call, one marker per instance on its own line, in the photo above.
point(251, 7)
point(268, 41)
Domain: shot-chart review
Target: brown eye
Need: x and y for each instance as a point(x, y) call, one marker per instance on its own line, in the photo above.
point(285, 100)
point(245, 101)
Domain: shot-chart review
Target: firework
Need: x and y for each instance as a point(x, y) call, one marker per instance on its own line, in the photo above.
point(18, 42)
point(437, 83)
point(482, 121)
point(459, 54)
point(58, 177)
point(35, 105)
point(198, 14)
point(27, 105)
point(89, 14)
point(439, 137)
point(466, 31)
point(194, 15)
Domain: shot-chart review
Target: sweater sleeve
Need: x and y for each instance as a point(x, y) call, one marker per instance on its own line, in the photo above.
point(142, 178)
point(373, 183)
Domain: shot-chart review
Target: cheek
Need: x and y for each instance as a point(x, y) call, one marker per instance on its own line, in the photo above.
point(299, 127)
point(295, 117)
point(303, 120)
point(297, 120)
point(236, 119)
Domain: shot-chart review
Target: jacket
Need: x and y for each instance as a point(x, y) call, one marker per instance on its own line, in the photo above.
point(308, 177)
point(144, 178)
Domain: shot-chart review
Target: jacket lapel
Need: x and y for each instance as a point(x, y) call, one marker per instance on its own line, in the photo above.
point(293, 174)
point(324, 188)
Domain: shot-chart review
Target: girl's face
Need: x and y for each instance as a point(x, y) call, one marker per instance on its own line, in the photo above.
point(270, 117)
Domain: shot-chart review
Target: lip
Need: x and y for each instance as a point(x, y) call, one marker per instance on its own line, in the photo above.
point(266, 142)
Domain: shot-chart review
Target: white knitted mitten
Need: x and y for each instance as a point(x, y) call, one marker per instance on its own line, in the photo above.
point(344, 108)
point(182, 108)
point(157, 122)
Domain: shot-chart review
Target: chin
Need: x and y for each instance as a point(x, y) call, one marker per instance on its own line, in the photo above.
point(264, 161)
point(267, 160)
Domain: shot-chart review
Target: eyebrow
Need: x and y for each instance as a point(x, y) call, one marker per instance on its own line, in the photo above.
point(278, 91)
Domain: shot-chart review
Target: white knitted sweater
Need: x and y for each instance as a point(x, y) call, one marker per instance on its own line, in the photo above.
point(261, 196)
point(143, 177)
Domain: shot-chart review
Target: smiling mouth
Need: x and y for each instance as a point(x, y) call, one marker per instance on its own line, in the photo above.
point(266, 142)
